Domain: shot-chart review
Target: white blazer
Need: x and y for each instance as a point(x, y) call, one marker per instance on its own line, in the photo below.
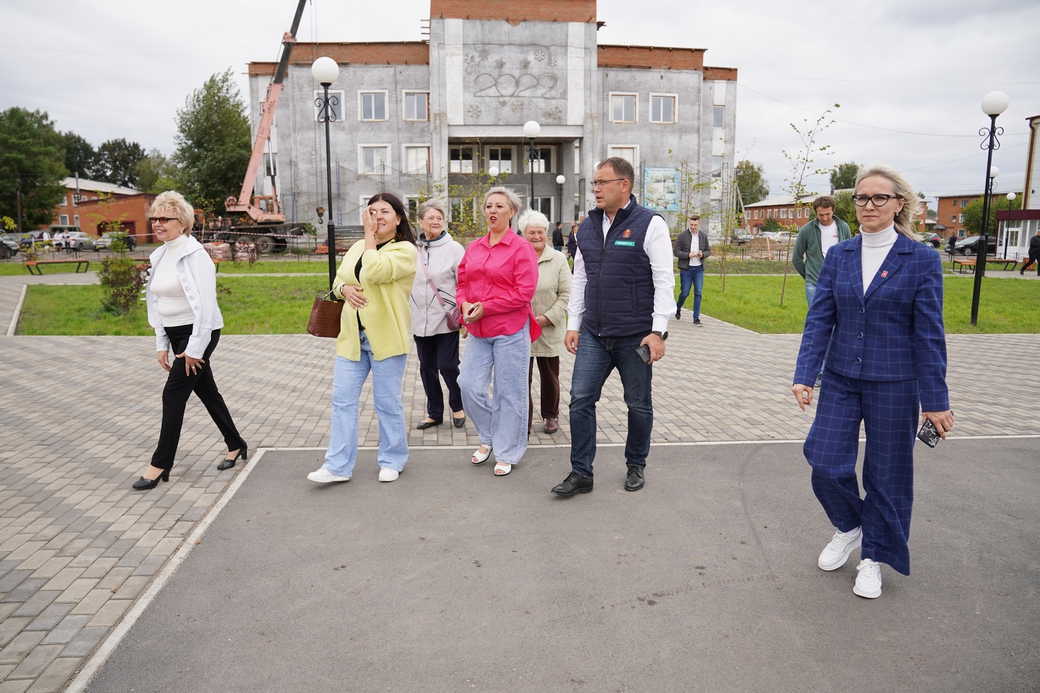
point(198, 277)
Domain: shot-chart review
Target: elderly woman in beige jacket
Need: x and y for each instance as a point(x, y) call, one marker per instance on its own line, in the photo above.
point(550, 310)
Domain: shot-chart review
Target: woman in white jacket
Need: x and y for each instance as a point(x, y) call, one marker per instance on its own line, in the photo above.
point(182, 307)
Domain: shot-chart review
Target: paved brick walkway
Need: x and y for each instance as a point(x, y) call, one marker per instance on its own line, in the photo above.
point(81, 415)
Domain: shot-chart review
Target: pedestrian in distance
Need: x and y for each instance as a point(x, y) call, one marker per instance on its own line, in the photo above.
point(1034, 254)
point(550, 312)
point(622, 294)
point(375, 281)
point(879, 310)
point(496, 282)
point(557, 237)
point(181, 296)
point(572, 240)
point(433, 301)
point(692, 249)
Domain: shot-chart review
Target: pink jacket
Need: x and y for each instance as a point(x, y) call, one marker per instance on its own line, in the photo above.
point(503, 277)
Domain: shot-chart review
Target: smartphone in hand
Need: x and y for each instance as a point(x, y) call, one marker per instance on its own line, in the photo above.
point(644, 353)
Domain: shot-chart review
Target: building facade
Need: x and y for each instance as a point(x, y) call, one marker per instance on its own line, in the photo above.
point(783, 209)
point(1015, 228)
point(444, 117)
point(950, 211)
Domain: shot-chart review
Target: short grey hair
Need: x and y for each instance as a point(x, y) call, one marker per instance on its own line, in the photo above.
point(514, 199)
point(182, 209)
point(431, 204)
point(904, 221)
point(532, 217)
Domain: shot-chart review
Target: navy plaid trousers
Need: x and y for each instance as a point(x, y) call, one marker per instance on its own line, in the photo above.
point(889, 412)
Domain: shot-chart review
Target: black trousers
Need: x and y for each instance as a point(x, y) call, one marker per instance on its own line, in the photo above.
point(549, 385)
point(439, 358)
point(1026, 264)
point(179, 387)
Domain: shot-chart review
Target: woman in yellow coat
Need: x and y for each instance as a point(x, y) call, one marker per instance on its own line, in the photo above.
point(375, 334)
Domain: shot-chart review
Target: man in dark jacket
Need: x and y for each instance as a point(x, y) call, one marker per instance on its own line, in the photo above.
point(691, 256)
point(557, 236)
point(1034, 254)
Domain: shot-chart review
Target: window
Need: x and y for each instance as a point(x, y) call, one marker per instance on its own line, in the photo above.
point(623, 108)
point(500, 158)
point(663, 108)
point(460, 160)
point(543, 205)
point(462, 211)
point(628, 152)
point(716, 166)
point(75, 222)
point(543, 160)
point(953, 219)
point(63, 219)
point(413, 209)
point(960, 218)
point(417, 158)
point(335, 105)
point(718, 115)
point(372, 106)
point(373, 158)
point(416, 105)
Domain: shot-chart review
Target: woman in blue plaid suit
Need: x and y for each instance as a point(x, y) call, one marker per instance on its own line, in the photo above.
point(877, 314)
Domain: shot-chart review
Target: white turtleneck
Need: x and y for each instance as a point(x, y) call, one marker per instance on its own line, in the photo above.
point(173, 305)
point(875, 249)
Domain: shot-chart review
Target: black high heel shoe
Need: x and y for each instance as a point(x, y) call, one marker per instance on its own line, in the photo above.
point(143, 484)
point(229, 462)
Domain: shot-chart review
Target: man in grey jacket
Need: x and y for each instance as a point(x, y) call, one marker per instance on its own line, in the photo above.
point(692, 249)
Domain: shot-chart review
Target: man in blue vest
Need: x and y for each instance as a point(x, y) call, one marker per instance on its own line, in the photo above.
point(622, 295)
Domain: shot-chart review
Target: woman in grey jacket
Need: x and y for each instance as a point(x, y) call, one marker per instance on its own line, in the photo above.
point(433, 298)
point(183, 310)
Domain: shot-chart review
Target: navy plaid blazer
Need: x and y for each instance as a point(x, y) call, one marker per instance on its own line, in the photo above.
point(892, 332)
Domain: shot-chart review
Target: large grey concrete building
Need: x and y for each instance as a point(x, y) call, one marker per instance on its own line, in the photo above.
point(444, 116)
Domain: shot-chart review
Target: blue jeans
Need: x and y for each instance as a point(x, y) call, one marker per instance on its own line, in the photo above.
point(693, 276)
point(501, 362)
point(347, 381)
point(810, 293)
point(596, 358)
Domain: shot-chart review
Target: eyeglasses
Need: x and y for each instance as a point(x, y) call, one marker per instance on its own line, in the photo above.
point(162, 220)
point(600, 183)
point(879, 200)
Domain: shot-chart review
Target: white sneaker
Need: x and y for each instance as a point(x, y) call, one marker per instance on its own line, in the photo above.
point(839, 548)
point(387, 474)
point(868, 579)
point(324, 476)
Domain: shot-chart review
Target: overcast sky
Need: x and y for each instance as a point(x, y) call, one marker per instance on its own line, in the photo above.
point(909, 76)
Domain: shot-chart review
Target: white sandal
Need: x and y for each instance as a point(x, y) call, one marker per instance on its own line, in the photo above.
point(477, 458)
point(503, 468)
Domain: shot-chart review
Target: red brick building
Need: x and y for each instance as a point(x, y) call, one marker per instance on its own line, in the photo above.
point(96, 207)
point(950, 211)
point(783, 209)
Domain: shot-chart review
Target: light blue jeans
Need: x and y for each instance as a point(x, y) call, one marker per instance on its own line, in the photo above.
point(501, 419)
point(810, 294)
point(386, 394)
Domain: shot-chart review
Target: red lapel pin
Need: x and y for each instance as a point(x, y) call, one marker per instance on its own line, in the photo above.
point(884, 274)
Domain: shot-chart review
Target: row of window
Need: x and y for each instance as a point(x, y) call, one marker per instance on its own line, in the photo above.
point(664, 108)
point(781, 213)
point(374, 106)
point(957, 219)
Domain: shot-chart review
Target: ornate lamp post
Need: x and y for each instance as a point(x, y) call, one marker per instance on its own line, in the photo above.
point(993, 104)
point(531, 130)
point(1010, 198)
point(325, 71)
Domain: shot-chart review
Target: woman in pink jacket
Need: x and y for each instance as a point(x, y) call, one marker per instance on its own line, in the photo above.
point(496, 282)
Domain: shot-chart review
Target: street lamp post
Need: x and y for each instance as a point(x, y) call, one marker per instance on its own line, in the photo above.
point(531, 130)
point(993, 104)
point(1010, 198)
point(325, 71)
point(560, 180)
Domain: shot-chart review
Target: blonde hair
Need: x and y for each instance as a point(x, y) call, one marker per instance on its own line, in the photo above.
point(514, 199)
point(532, 217)
point(182, 209)
point(904, 221)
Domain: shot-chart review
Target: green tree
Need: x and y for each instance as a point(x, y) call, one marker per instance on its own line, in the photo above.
point(843, 176)
point(80, 156)
point(117, 161)
point(32, 157)
point(751, 182)
point(973, 214)
point(845, 208)
point(156, 173)
point(213, 142)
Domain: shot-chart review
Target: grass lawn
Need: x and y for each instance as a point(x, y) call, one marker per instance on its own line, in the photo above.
point(251, 305)
point(1006, 305)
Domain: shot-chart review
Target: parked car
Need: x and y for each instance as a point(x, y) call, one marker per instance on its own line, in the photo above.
point(970, 245)
point(73, 240)
point(741, 238)
point(105, 241)
point(932, 239)
point(8, 246)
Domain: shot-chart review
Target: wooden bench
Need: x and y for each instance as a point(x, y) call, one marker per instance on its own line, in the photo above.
point(34, 266)
point(960, 264)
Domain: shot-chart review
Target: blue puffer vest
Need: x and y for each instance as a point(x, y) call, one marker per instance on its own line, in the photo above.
point(619, 295)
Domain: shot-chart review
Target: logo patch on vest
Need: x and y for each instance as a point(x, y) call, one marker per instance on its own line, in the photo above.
point(627, 233)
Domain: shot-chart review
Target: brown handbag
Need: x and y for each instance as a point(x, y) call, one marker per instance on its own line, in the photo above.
point(325, 315)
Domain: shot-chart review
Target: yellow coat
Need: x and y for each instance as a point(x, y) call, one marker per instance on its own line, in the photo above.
point(386, 277)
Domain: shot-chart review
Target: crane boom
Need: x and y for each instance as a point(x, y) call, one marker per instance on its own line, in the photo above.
point(243, 203)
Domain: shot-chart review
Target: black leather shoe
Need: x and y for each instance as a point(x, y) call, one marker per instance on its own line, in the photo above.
point(635, 478)
point(678, 313)
point(574, 483)
point(459, 421)
point(143, 484)
point(229, 462)
point(423, 425)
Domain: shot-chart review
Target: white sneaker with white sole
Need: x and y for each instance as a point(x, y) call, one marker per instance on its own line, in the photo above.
point(324, 476)
point(387, 474)
point(868, 579)
point(839, 548)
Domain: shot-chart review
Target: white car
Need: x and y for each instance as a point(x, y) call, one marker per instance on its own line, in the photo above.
point(74, 240)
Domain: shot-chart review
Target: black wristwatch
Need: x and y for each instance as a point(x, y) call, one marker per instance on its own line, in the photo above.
point(662, 335)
